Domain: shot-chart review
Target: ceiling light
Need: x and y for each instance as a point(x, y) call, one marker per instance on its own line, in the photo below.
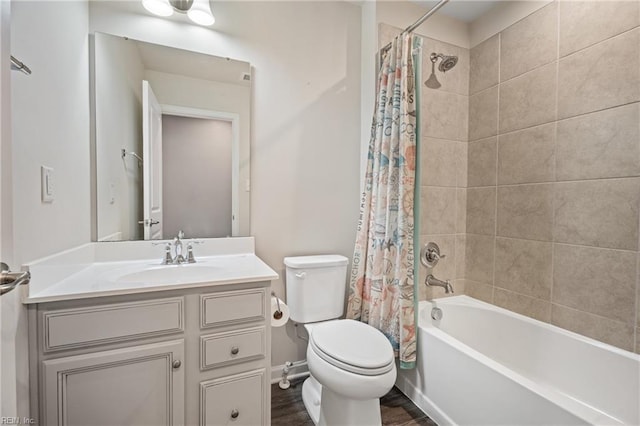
point(158, 7)
point(200, 13)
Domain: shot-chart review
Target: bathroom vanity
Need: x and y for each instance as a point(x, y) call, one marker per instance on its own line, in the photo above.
point(137, 342)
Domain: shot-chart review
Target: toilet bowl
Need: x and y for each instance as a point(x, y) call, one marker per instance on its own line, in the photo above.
point(352, 365)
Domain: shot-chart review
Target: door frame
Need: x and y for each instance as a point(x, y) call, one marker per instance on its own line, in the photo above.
point(234, 119)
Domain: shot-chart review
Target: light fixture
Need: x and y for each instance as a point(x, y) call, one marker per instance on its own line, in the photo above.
point(199, 11)
point(158, 7)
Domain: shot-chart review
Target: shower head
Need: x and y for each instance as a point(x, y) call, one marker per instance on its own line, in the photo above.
point(447, 62)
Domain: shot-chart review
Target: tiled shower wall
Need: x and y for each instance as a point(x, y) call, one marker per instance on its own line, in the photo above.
point(554, 170)
point(443, 147)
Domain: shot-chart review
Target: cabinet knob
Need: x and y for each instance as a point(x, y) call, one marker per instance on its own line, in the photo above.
point(235, 413)
point(176, 364)
point(235, 350)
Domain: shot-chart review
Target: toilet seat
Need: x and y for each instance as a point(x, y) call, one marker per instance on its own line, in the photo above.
point(352, 346)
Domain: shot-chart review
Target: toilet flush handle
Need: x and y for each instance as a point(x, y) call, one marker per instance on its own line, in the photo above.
point(301, 274)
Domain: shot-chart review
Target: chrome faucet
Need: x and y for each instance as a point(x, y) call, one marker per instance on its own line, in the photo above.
point(177, 248)
point(432, 281)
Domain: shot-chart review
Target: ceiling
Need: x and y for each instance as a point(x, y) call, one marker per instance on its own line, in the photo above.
point(463, 10)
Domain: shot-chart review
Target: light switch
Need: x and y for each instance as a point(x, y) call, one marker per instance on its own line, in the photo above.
point(46, 174)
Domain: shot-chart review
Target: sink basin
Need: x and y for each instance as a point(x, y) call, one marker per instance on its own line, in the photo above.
point(165, 274)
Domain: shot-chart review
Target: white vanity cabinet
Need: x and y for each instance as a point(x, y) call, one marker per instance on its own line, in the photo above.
point(198, 356)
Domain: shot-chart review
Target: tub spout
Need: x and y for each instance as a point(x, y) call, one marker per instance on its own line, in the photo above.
point(434, 282)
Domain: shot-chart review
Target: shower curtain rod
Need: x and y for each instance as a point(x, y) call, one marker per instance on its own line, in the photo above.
point(419, 22)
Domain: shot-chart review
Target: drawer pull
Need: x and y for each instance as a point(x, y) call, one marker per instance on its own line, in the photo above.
point(176, 364)
point(235, 350)
point(235, 413)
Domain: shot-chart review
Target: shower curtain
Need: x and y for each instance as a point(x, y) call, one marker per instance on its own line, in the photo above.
point(382, 276)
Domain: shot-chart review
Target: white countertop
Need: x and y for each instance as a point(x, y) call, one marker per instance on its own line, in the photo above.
point(96, 270)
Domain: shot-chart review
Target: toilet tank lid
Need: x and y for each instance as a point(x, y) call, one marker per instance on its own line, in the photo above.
point(318, 261)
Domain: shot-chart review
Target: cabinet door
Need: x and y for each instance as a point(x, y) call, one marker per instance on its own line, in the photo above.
point(140, 385)
point(238, 400)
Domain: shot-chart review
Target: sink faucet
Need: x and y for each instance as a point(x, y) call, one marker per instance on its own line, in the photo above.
point(177, 247)
point(434, 282)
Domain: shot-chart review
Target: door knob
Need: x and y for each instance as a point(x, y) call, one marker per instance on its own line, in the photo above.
point(235, 413)
point(176, 364)
point(235, 350)
point(10, 280)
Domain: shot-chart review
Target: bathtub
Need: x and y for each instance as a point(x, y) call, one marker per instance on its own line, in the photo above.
point(483, 365)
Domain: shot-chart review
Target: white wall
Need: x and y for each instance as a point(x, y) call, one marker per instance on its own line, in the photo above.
point(50, 120)
point(50, 112)
point(196, 176)
point(118, 120)
point(305, 143)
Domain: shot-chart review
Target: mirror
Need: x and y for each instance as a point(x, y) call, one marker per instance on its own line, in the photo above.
point(171, 149)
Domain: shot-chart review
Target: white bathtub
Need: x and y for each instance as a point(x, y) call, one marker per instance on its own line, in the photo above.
point(483, 365)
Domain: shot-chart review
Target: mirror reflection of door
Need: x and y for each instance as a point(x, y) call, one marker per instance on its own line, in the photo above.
point(196, 176)
point(152, 204)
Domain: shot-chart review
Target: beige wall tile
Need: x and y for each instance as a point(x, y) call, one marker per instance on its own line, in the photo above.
point(595, 280)
point(461, 211)
point(529, 99)
point(605, 330)
point(524, 266)
point(524, 305)
point(461, 165)
point(529, 43)
point(526, 211)
point(484, 65)
point(600, 145)
point(602, 76)
point(638, 293)
point(481, 210)
point(483, 114)
point(583, 23)
point(444, 115)
point(455, 80)
point(437, 210)
point(386, 34)
point(600, 213)
point(461, 255)
point(439, 162)
point(479, 258)
point(527, 156)
point(478, 291)
point(481, 168)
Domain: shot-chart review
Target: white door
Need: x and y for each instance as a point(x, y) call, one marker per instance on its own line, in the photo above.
point(152, 164)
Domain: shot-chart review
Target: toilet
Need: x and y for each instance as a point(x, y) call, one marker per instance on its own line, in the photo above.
point(351, 363)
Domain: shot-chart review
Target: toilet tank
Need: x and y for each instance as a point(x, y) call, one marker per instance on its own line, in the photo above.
point(316, 287)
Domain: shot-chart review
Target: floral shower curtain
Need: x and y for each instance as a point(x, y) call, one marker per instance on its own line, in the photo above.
point(382, 275)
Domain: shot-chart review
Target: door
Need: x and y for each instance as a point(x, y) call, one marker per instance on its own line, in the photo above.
point(152, 164)
point(140, 385)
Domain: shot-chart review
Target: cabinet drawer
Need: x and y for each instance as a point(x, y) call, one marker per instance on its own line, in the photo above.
point(81, 327)
point(238, 400)
point(234, 346)
point(232, 307)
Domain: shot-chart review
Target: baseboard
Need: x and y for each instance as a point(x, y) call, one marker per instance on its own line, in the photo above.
point(294, 372)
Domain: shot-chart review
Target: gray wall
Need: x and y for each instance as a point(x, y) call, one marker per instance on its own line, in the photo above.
point(553, 169)
point(196, 177)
